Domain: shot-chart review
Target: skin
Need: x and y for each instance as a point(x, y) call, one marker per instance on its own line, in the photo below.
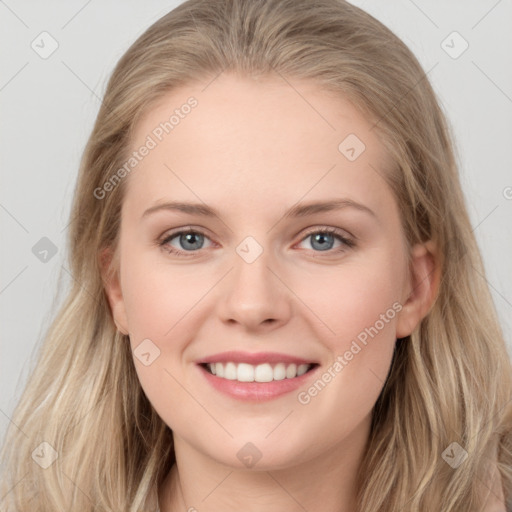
point(252, 149)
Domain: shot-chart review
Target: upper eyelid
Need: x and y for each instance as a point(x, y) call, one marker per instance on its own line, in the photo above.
point(335, 231)
point(179, 231)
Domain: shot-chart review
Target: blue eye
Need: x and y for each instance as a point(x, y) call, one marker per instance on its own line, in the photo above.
point(323, 240)
point(191, 241)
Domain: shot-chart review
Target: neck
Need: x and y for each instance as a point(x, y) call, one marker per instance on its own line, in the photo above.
point(326, 483)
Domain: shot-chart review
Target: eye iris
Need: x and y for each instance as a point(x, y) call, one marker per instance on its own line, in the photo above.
point(322, 241)
point(190, 238)
point(320, 237)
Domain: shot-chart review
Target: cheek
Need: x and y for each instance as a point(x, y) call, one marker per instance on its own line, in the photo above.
point(350, 301)
point(169, 303)
point(359, 302)
point(157, 297)
point(159, 304)
point(358, 297)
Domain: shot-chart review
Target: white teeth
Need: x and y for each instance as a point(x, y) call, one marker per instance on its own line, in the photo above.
point(244, 372)
point(291, 371)
point(279, 371)
point(230, 371)
point(302, 369)
point(263, 373)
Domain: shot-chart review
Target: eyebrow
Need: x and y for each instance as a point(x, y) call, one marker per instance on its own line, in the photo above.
point(299, 210)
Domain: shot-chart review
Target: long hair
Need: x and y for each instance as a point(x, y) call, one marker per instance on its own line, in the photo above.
point(450, 380)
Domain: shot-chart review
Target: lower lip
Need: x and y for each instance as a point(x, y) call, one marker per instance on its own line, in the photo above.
point(256, 391)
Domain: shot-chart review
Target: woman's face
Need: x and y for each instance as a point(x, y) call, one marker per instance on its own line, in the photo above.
point(261, 289)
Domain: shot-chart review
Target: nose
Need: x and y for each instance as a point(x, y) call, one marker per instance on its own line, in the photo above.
point(254, 296)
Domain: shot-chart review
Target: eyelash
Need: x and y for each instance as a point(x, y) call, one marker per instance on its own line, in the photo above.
point(347, 243)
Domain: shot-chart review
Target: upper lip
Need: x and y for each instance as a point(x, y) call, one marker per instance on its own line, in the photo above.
point(253, 358)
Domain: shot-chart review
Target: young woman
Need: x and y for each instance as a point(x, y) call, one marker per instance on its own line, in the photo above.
point(278, 302)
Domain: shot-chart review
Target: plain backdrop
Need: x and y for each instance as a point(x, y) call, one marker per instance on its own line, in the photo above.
point(49, 103)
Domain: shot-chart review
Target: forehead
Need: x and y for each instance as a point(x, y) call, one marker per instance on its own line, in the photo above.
point(248, 143)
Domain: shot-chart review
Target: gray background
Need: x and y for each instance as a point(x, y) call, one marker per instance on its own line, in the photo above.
point(49, 106)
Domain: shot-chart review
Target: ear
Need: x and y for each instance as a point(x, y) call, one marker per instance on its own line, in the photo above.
point(110, 275)
point(421, 290)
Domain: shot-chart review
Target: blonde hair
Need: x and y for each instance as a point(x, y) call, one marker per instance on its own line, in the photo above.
point(450, 381)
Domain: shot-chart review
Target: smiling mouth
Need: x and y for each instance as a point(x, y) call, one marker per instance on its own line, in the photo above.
point(266, 372)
